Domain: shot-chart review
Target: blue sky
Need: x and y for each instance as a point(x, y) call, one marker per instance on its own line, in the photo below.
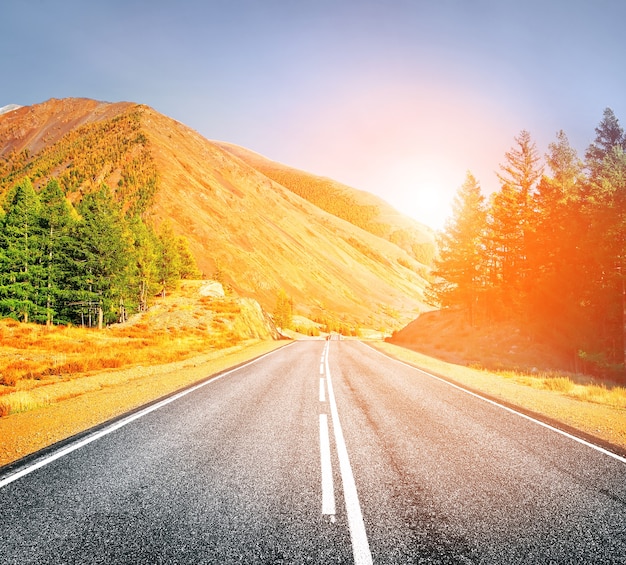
point(396, 97)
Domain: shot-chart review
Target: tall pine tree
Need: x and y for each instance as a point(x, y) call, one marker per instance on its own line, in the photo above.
point(609, 134)
point(20, 255)
point(558, 252)
point(510, 223)
point(56, 220)
point(146, 249)
point(99, 259)
point(458, 280)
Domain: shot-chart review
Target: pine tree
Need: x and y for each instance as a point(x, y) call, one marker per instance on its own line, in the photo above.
point(56, 220)
point(609, 134)
point(283, 312)
point(168, 259)
point(457, 269)
point(20, 242)
point(510, 222)
point(188, 268)
point(607, 220)
point(146, 249)
point(99, 259)
point(558, 251)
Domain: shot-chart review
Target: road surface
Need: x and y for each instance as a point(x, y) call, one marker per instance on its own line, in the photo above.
point(320, 452)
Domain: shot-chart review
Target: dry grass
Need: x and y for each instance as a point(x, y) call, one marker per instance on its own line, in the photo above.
point(33, 352)
point(23, 401)
point(599, 392)
point(580, 387)
point(65, 407)
point(33, 357)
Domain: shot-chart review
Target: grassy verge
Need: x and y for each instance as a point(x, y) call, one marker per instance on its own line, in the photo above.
point(598, 410)
point(40, 366)
point(62, 409)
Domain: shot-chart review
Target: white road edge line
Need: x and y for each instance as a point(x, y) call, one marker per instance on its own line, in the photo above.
point(328, 490)
point(360, 545)
point(120, 423)
point(511, 410)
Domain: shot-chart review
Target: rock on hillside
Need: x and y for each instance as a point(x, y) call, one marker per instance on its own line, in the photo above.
point(199, 306)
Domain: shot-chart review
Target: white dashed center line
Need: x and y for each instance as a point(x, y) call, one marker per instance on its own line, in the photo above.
point(328, 490)
point(358, 536)
point(322, 391)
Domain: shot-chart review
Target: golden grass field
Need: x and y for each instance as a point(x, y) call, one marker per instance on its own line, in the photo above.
point(57, 381)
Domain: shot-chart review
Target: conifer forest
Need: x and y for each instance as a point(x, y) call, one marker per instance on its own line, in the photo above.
point(72, 249)
point(547, 250)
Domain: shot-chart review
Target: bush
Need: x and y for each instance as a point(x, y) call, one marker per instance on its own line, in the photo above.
point(8, 379)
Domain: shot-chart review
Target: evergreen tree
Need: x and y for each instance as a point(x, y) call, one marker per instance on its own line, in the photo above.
point(457, 269)
point(510, 222)
point(20, 244)
point(558, 251)
point(609, 134)
point(146, 249)
point(99, 259)
point(283, 313)
point(188, 268)
point(56, 220)
point(168, 259)
point(606, 210)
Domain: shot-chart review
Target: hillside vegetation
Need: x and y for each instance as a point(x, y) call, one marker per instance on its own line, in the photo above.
point(242, 227)
point(112, 151)
point(355, 206)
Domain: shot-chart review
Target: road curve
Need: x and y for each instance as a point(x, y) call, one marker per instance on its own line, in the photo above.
point(250, 468)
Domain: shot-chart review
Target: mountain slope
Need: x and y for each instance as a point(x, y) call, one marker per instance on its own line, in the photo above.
point(358, 207)
point(257, 235)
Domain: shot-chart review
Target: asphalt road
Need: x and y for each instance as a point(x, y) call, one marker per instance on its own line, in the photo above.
point(321, 452)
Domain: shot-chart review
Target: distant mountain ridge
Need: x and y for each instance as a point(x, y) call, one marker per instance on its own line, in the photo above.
point(244, 219)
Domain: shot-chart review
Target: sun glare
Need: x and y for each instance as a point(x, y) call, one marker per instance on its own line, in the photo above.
point(422, 192)
point(432, 204)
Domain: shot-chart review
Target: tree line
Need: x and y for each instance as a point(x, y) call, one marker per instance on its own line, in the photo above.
point(89, 264)
point(547, 250)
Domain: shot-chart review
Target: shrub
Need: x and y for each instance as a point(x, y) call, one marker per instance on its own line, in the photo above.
point(8, 379)
point(560, 384)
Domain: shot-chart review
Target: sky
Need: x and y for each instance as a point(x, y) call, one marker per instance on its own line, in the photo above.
point(396, 97)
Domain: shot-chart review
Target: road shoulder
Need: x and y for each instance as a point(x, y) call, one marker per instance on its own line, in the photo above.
point(604, 424)
point(115, 392)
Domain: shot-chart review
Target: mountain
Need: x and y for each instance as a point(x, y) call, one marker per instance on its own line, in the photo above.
point(243, 216)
